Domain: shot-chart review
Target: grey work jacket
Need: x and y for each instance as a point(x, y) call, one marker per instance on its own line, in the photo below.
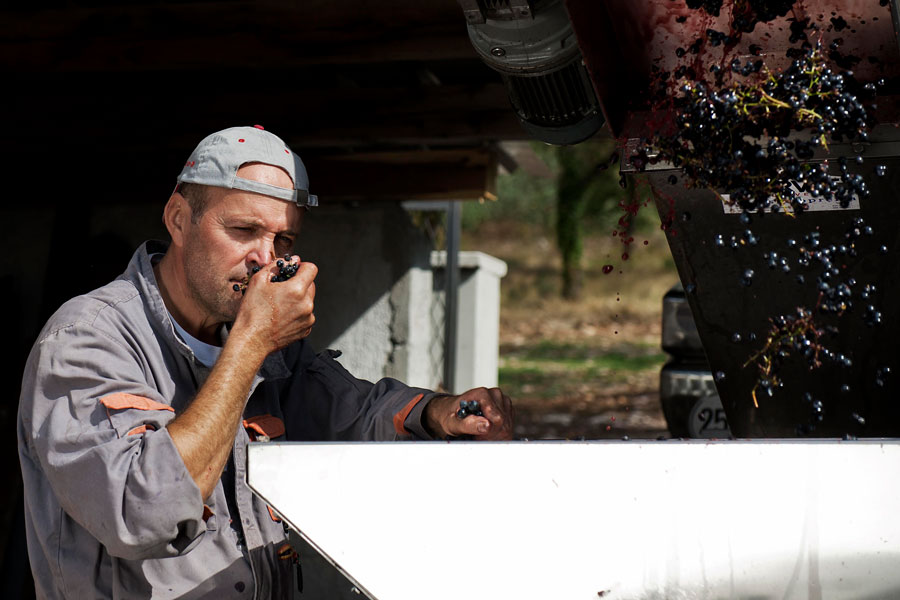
point(110, 509)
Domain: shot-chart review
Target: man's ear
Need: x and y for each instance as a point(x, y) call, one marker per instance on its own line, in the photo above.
point(176, 217)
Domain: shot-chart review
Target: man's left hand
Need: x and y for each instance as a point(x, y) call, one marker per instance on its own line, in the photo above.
point(496, 424)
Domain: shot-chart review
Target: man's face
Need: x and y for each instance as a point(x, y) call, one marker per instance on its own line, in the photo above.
point(237, 231)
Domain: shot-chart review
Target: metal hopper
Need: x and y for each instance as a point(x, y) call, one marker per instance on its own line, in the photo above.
point(579, 520)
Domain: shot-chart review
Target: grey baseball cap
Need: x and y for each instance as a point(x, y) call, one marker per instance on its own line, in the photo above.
point(216, 160)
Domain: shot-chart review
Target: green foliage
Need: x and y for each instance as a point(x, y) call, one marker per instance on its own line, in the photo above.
point(531, 199)
point(522, 198)
point(580, 168)
point(581, 199)
point(583, 174)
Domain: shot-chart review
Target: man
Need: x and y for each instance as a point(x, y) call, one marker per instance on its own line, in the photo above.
point(139, 398)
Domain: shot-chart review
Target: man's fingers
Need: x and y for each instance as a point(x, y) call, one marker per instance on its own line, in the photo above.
point(301, 286)
point(303, 278)
point(498, 406)
point(482, 413)
point(473, 425)
point(493, 415)
point(289, 304)
point(306, 274)
point(499, 411)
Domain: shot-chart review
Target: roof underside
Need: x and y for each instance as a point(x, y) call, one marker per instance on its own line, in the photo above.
point(391, 92)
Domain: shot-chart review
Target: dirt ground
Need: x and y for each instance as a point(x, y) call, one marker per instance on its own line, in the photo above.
point(587, 369)
point(608, 404)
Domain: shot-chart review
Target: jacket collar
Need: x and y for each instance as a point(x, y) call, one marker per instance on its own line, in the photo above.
point(140, 273)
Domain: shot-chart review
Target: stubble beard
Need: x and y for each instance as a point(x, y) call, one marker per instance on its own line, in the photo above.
point(216, 298)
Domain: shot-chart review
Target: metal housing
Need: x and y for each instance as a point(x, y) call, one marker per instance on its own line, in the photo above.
point(534, 49)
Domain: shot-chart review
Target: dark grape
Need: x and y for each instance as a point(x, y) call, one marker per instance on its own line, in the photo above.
point(735, 138)
point(286, 270)
point(469, 407)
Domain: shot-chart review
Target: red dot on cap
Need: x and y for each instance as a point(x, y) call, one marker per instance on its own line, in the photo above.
point(286, 151)
point(241, 140)
point(260, 127)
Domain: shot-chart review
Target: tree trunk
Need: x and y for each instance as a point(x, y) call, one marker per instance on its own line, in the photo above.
point(569, 212)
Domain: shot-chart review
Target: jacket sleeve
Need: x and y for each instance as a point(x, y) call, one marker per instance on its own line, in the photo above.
point(95, 427)
point(326, 403)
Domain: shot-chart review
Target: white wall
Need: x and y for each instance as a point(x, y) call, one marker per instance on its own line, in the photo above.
point(373, 291)
point(380, 298)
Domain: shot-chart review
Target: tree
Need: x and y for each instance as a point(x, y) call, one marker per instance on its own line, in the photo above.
point(581, 189)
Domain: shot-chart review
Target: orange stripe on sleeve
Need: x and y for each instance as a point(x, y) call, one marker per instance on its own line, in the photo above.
point(267, 425)
point(121, 401)
point(400, 417)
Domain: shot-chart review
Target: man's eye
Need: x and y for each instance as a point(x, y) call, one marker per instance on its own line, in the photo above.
point(286, 240)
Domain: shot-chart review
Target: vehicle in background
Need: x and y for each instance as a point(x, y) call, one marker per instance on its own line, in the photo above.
point(687, 389)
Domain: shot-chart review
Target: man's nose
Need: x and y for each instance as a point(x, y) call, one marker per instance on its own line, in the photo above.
point(263, 252)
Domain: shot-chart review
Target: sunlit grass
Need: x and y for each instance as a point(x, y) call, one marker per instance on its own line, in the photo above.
point(550, 369)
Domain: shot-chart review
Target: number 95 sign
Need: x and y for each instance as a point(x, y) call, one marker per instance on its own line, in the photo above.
point(708, 419)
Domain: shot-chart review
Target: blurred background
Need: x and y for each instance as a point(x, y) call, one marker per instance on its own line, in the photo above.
point(581, 311)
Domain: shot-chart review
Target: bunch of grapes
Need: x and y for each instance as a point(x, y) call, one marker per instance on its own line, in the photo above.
point(802, 333)
point(469, 407)
point(753, 139)
point(286, 270)
point(792, 334)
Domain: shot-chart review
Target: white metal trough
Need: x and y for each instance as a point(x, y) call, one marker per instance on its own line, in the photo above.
point(582, 520)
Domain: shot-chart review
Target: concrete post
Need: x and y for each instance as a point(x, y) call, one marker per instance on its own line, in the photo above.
point(478, 323)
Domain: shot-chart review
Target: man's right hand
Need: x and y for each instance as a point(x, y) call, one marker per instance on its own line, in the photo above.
point(271, 316)
point(275, 314)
